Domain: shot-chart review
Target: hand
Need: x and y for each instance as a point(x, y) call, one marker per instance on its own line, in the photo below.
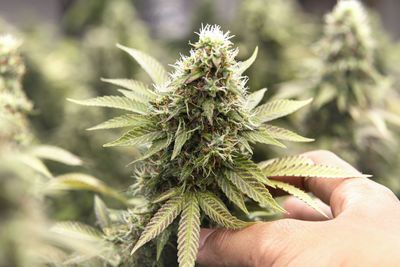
point(364, 229)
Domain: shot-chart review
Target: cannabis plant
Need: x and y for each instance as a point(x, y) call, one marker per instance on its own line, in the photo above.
point(351, 92)
point(25, 180)
point(195, 126)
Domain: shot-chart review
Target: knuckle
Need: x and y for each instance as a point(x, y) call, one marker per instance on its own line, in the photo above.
point(325, 153)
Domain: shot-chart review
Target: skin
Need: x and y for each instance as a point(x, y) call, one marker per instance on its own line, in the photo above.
point(363, 229)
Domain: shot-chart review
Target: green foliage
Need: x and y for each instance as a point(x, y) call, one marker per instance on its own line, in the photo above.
point(351, 113)
point(200, 123)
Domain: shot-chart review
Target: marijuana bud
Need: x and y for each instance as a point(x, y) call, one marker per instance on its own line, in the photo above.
point(195, 126)
point(13, 102)
point(347, 50)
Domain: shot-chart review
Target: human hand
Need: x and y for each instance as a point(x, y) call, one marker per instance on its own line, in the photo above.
point(364, 229)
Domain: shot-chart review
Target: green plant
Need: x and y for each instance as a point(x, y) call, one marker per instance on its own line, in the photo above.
point(25, 180)
point(352, 92)
point(194, 128)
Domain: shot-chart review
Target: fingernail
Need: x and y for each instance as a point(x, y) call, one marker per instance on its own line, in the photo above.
point(204, 234)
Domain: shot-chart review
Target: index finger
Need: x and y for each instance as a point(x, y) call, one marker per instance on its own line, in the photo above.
point(321, 187)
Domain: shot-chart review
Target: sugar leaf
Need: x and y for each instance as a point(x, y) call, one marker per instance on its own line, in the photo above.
point(243, 66)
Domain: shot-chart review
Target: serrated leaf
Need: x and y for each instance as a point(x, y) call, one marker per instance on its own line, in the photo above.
point(80, 181)
point(160, 221)
point(284, 134)
point(299, 194)
point(217, 211)
point(245, 144)
point(154, 148)
point(310, 170)
point(56, 154)
point(34, 163)
point(135, 96)
point(101, 212)
point(243, 66)
point(77, 230)
point(136, 137)
point(119, 102)
point(167, 195)
point(255, 98)
point(127, 120)
point(274, 164)
point(278, 108)
point(208, 110)
point(245, 167)
point(153, 68)
point(261, 136)
point(232, 193)
point(181, 137)
point(162, 240)
point(189, 232)
point(253, 189)
point(136, 87)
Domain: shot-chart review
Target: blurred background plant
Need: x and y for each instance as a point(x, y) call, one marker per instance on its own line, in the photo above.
point(353, 89)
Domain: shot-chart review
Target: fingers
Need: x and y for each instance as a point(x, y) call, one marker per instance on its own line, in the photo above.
point(261, 244)
point(320, 187)
point(224, 247)
point(297, 209)
point(323, 188)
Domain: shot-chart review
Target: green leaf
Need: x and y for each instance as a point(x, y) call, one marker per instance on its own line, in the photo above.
point(299, 194)
point(136, 137)
point(56, 154)
point(34, 163)
point(285, 167)
point(254, 189)
point(189, 232)
point(80, 181)
point(208, 108)
point(245, 144)
point(245, 167)
point(284, 134)
point(127, 120)
point(243, 66)
point(153, 68)
point(118, 102)
point(160, 221)
point(275, 164)
point(137, 87)
point(154, 148)
point(216, 210)
point(181, 137)
point(77, 230)
point(102, 213)
point(167, 195)
point(255, 98)
point(134, 96)
point(162, 240)
point(261, 136)
point(232, 193)
point(278, 108)
point(194, 75)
